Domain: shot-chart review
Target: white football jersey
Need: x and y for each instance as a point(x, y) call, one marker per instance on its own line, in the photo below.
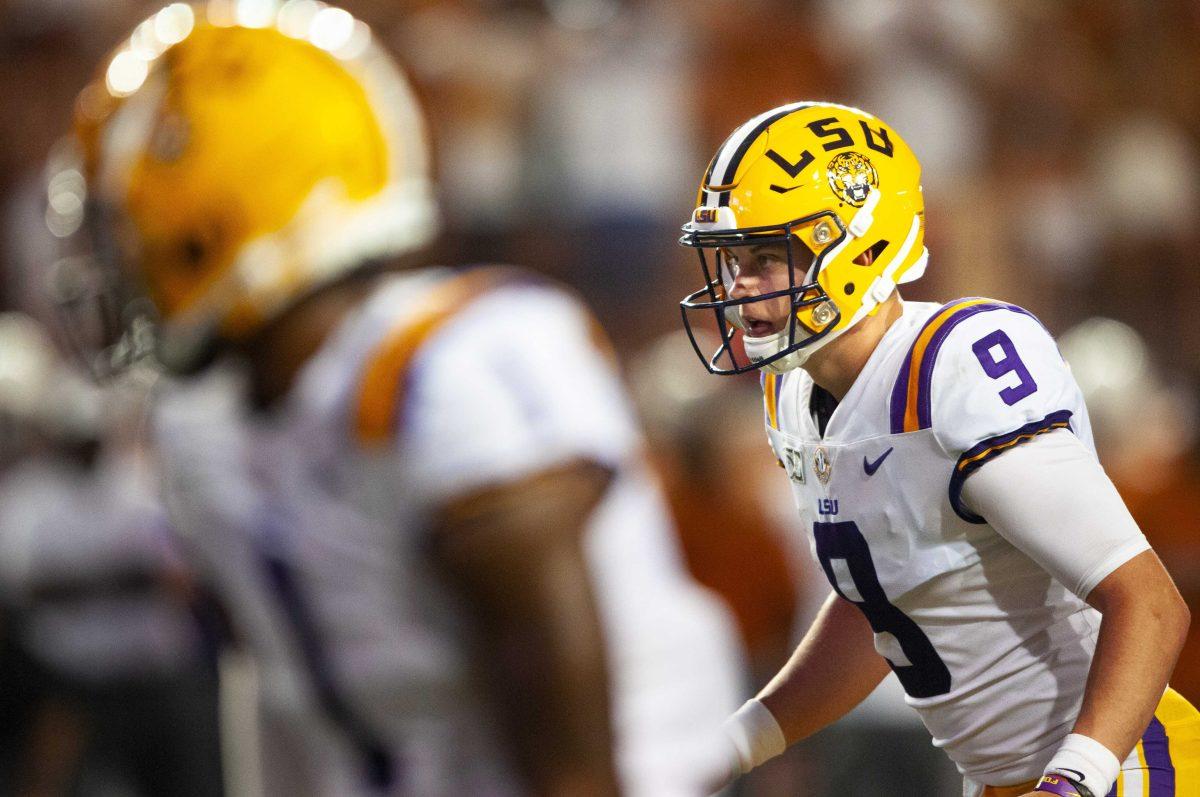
point(993, 651)
point(314, 524)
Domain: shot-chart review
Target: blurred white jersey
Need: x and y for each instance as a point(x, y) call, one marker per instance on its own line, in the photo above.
point(314, 525)
point(85, 554)
point(993, 652)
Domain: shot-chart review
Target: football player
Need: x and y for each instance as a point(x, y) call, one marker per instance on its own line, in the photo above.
point(419, 491)
point(942, 463)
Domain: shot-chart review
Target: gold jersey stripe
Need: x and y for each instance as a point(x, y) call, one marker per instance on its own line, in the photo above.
point(382, 391)
point(911, 421)
point(769, 396)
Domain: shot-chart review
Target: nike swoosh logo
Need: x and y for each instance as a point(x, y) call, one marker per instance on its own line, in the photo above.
point(1073, 774)
point(871, 467)
point(781, 190)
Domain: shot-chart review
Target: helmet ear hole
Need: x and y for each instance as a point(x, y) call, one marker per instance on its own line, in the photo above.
point(193, 251)
point(872, 254)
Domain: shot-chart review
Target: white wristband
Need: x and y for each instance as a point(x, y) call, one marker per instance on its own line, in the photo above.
point(755, 734)
point(1087, 762)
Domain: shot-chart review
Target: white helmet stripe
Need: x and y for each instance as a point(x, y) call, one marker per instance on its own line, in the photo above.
point(725, 165)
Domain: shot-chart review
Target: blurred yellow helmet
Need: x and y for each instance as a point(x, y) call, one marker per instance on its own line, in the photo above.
point(236, 155)
point(842, 190)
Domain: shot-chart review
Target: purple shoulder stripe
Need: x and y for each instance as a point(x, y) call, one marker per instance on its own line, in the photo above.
point(929, 359)
point(900, 389)
point(945, 324)
point(900, 393)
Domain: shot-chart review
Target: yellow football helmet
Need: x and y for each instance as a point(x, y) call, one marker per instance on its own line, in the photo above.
point(233, 156)
point(830, 182)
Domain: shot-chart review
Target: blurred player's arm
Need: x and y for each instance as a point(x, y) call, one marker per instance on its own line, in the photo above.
point(516, 553)
point(1051, 499)
point(833, 669)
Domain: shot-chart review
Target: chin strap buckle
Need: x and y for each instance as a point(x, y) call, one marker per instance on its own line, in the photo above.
point(880, 289)
point(865, 216)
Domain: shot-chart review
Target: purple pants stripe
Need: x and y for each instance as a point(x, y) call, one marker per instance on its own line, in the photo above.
point(1157, 748)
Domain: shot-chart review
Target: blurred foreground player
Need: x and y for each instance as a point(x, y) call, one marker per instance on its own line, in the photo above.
point(942, 458)
point(419, 493)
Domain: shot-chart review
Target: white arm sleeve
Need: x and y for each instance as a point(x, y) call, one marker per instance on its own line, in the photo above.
point(1052, 500)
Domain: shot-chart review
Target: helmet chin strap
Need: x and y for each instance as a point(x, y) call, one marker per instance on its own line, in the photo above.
point(762, 348)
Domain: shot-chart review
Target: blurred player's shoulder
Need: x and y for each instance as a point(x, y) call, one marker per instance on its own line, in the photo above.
point(451, 330)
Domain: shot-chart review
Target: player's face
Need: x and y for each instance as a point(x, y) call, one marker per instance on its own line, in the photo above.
point(759, 270)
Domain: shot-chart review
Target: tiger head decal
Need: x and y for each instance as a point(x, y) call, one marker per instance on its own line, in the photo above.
point(851, 176)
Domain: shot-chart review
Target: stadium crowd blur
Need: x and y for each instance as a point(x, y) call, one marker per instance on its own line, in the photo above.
point(1061, 172)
